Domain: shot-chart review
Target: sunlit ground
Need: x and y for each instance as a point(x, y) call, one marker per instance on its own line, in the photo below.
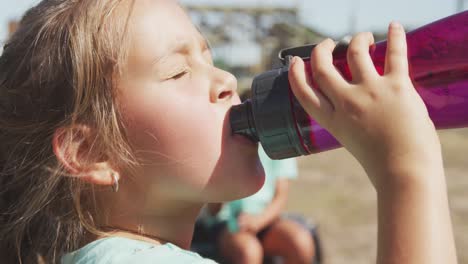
point(334, 192)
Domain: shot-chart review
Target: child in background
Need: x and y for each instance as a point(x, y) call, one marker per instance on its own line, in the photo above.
point(246, 230)
point(107, 123)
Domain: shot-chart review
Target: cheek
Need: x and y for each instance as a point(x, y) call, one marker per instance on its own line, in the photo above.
point(179, 135)
point(172, 125)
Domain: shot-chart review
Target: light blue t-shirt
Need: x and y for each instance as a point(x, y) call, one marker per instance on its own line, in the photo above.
point(119, 250)
point(256, 204)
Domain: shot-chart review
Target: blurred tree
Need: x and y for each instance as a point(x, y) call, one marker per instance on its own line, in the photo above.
point(220, 63)
point(268, 28)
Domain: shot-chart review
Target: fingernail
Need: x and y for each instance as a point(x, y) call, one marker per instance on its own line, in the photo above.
point(395, 25)
point(294, 60)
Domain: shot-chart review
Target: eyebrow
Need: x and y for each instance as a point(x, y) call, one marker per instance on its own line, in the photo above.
point(180, 47)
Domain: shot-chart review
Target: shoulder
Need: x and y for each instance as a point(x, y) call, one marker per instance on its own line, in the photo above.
point(167, 253)
point(122, 250)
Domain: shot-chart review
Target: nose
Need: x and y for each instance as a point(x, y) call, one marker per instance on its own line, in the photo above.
point(223, 87)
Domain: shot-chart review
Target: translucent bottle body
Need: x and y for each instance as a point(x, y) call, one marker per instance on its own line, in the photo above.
point(438, 59)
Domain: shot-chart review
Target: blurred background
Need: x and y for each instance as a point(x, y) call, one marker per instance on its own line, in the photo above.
point(332, 190)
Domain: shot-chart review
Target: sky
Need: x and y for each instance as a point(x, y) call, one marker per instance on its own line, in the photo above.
point(331, 17)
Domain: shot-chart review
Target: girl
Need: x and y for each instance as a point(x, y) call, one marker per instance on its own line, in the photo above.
point(114, 132)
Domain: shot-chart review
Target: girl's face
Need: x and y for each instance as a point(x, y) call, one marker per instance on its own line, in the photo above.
point(176, 105)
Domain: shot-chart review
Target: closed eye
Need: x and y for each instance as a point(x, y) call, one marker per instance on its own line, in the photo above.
point(179, 75)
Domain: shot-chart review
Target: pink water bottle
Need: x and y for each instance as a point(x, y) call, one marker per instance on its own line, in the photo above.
point(438, 59)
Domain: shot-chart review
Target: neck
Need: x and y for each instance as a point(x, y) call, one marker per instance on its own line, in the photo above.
point(172, 222)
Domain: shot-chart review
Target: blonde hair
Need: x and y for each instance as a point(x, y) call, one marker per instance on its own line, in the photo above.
point(57, 70)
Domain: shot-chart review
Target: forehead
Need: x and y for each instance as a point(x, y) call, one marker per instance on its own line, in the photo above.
point(156, 25)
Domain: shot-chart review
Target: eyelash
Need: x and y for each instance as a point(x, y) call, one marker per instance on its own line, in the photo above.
point(187, 71)
point(179, 75)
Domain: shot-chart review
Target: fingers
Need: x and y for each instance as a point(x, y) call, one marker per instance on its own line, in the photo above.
point(301, 84)
point(327, 77)
point(396, 61)
point(312, 100)
point(359, 60)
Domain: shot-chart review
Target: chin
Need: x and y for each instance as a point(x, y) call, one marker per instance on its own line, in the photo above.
point(236, 181)
point(254, 181)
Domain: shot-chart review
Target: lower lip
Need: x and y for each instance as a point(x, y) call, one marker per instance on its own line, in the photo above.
point(244, 141)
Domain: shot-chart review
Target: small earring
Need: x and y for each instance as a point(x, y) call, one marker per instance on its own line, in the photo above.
point(115, 184)
point(140, 229)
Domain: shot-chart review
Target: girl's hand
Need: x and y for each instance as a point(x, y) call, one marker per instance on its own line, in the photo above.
point(381, 120)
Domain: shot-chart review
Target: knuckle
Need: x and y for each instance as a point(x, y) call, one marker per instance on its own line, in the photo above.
point(353, 105)
point(320, 48)
point(355, 50)
point(359, 44)
point(359, 37)
point(369, 36)
point(353, 108)
point(394, 52)
point(320, 72)
point(374, 95)
point(324, 46)
point(365, 36)
point(398, 85)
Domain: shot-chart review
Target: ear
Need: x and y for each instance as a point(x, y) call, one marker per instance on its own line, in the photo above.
point(73, 147)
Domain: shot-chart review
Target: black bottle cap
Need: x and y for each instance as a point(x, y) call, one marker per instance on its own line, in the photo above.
point(242, 123)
